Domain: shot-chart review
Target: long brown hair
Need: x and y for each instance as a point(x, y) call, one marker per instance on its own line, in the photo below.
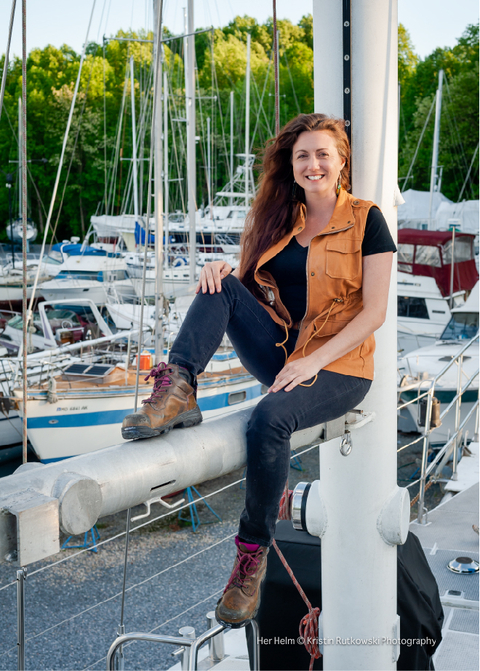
point(276, 207)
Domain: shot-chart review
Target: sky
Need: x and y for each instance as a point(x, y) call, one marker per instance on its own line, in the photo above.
point(431, 23)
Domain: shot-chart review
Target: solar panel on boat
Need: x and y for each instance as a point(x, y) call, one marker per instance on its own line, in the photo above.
point(92, 370)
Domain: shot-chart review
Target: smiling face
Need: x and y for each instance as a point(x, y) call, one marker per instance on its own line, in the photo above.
point(316, 163)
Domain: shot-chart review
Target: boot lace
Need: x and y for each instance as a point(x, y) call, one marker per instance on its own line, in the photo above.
point(161, 381)
point(245, 568)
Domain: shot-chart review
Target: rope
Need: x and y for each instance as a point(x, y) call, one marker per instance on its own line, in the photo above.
point(415, 499)
point(308, 628)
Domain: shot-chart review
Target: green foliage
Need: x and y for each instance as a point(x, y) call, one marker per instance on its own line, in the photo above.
point(101, 126)
point(459, 119)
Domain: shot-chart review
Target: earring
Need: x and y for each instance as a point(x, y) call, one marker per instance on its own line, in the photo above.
point(339, 185)
point(294, 190)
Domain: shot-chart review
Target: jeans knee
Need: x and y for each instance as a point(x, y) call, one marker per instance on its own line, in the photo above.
point(266, 420)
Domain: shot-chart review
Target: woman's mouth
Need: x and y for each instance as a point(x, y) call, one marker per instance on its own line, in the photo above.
point(315, 178)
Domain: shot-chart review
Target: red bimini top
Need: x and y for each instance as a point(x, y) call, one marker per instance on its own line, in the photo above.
point(429, 253)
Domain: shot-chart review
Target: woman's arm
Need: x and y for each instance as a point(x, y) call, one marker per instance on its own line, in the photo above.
point(377, 269)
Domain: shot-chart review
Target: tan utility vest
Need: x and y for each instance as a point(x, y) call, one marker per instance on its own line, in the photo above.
point(334, 285)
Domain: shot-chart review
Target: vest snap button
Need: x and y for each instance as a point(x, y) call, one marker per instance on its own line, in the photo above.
point(299, 228)
point(356, 202)
point(312, 274)
point(333, 227)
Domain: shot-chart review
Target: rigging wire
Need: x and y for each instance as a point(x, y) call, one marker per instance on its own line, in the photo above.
point(60, 166)
point(72, 156)
point(275, 60)
point(418, 144)
point(261, 103)
point(7, 52)
point(468, 173)
point(291, 82)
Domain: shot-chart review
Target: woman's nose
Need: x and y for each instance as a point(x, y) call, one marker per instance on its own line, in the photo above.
point(314, 163)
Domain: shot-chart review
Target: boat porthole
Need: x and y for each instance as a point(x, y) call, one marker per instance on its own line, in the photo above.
point(53, 421)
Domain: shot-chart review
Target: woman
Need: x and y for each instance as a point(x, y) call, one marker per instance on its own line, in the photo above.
point(300, 311)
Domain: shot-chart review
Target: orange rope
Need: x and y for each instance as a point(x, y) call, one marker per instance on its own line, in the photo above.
point(308, 628)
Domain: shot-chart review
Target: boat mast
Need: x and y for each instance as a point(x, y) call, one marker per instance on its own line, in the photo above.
point(20, 139)
point(231, 146)
point(165, 166)
point(436, 142)
point(157, 181)
point(189, 46)
point(247, 121)
point(369, 522)
point(209, 169)
point(134, 152)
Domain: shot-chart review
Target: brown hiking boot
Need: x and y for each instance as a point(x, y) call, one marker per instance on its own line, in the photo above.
point(171, 404)
point(241, 597)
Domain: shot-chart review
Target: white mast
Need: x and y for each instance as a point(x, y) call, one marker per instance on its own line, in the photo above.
point(231, 146)
point(157, 182)
point(363, 527)
point(436, 142)
point(247, 120)
point(134, 152)
point(165, 164)
point(209, 169)
point(190, 105)
point(20, 182)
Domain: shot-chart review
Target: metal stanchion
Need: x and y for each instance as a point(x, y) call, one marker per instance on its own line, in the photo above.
point(21, 577)
point(215, 644)
point(186, 632)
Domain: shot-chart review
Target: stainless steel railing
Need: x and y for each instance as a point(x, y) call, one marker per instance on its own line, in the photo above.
point(450, 447)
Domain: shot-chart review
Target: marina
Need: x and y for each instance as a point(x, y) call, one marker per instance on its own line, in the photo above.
point(114, 553)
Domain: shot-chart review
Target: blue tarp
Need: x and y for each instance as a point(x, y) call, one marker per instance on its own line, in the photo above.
point(140, 235)
point(76, 249)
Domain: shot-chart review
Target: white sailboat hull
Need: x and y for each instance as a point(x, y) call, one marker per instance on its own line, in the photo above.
point(85, 421)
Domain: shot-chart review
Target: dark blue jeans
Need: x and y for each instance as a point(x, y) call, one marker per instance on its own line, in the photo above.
point(254, 334)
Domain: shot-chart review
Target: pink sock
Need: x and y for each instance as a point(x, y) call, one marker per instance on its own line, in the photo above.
point(250, 547)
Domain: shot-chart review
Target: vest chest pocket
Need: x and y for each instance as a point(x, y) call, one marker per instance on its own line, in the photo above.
point(344, 258)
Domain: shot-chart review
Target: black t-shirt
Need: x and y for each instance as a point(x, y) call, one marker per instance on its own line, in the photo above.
point(289, 266)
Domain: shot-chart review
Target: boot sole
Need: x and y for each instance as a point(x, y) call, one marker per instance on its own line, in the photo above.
point(236, 625)
point(183, 421)
point(242, 623)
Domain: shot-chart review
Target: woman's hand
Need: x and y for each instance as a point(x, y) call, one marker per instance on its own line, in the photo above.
point(295, 372)
point(211, 276)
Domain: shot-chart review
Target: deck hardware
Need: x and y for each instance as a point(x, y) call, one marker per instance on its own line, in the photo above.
point(187, 632)
point(346, 444)
point(215, 644)
point(21, 577)
point(156, 499)
point(463, 565)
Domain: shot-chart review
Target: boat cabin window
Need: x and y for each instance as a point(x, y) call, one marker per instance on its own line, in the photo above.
point(405, 253)
point(411, 306)
point(55, 258)
point(463, 250)
point(462, 326)
point(428, 255)
point(72, 323)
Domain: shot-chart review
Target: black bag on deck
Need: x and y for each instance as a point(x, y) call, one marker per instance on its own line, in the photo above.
point(282, 607)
